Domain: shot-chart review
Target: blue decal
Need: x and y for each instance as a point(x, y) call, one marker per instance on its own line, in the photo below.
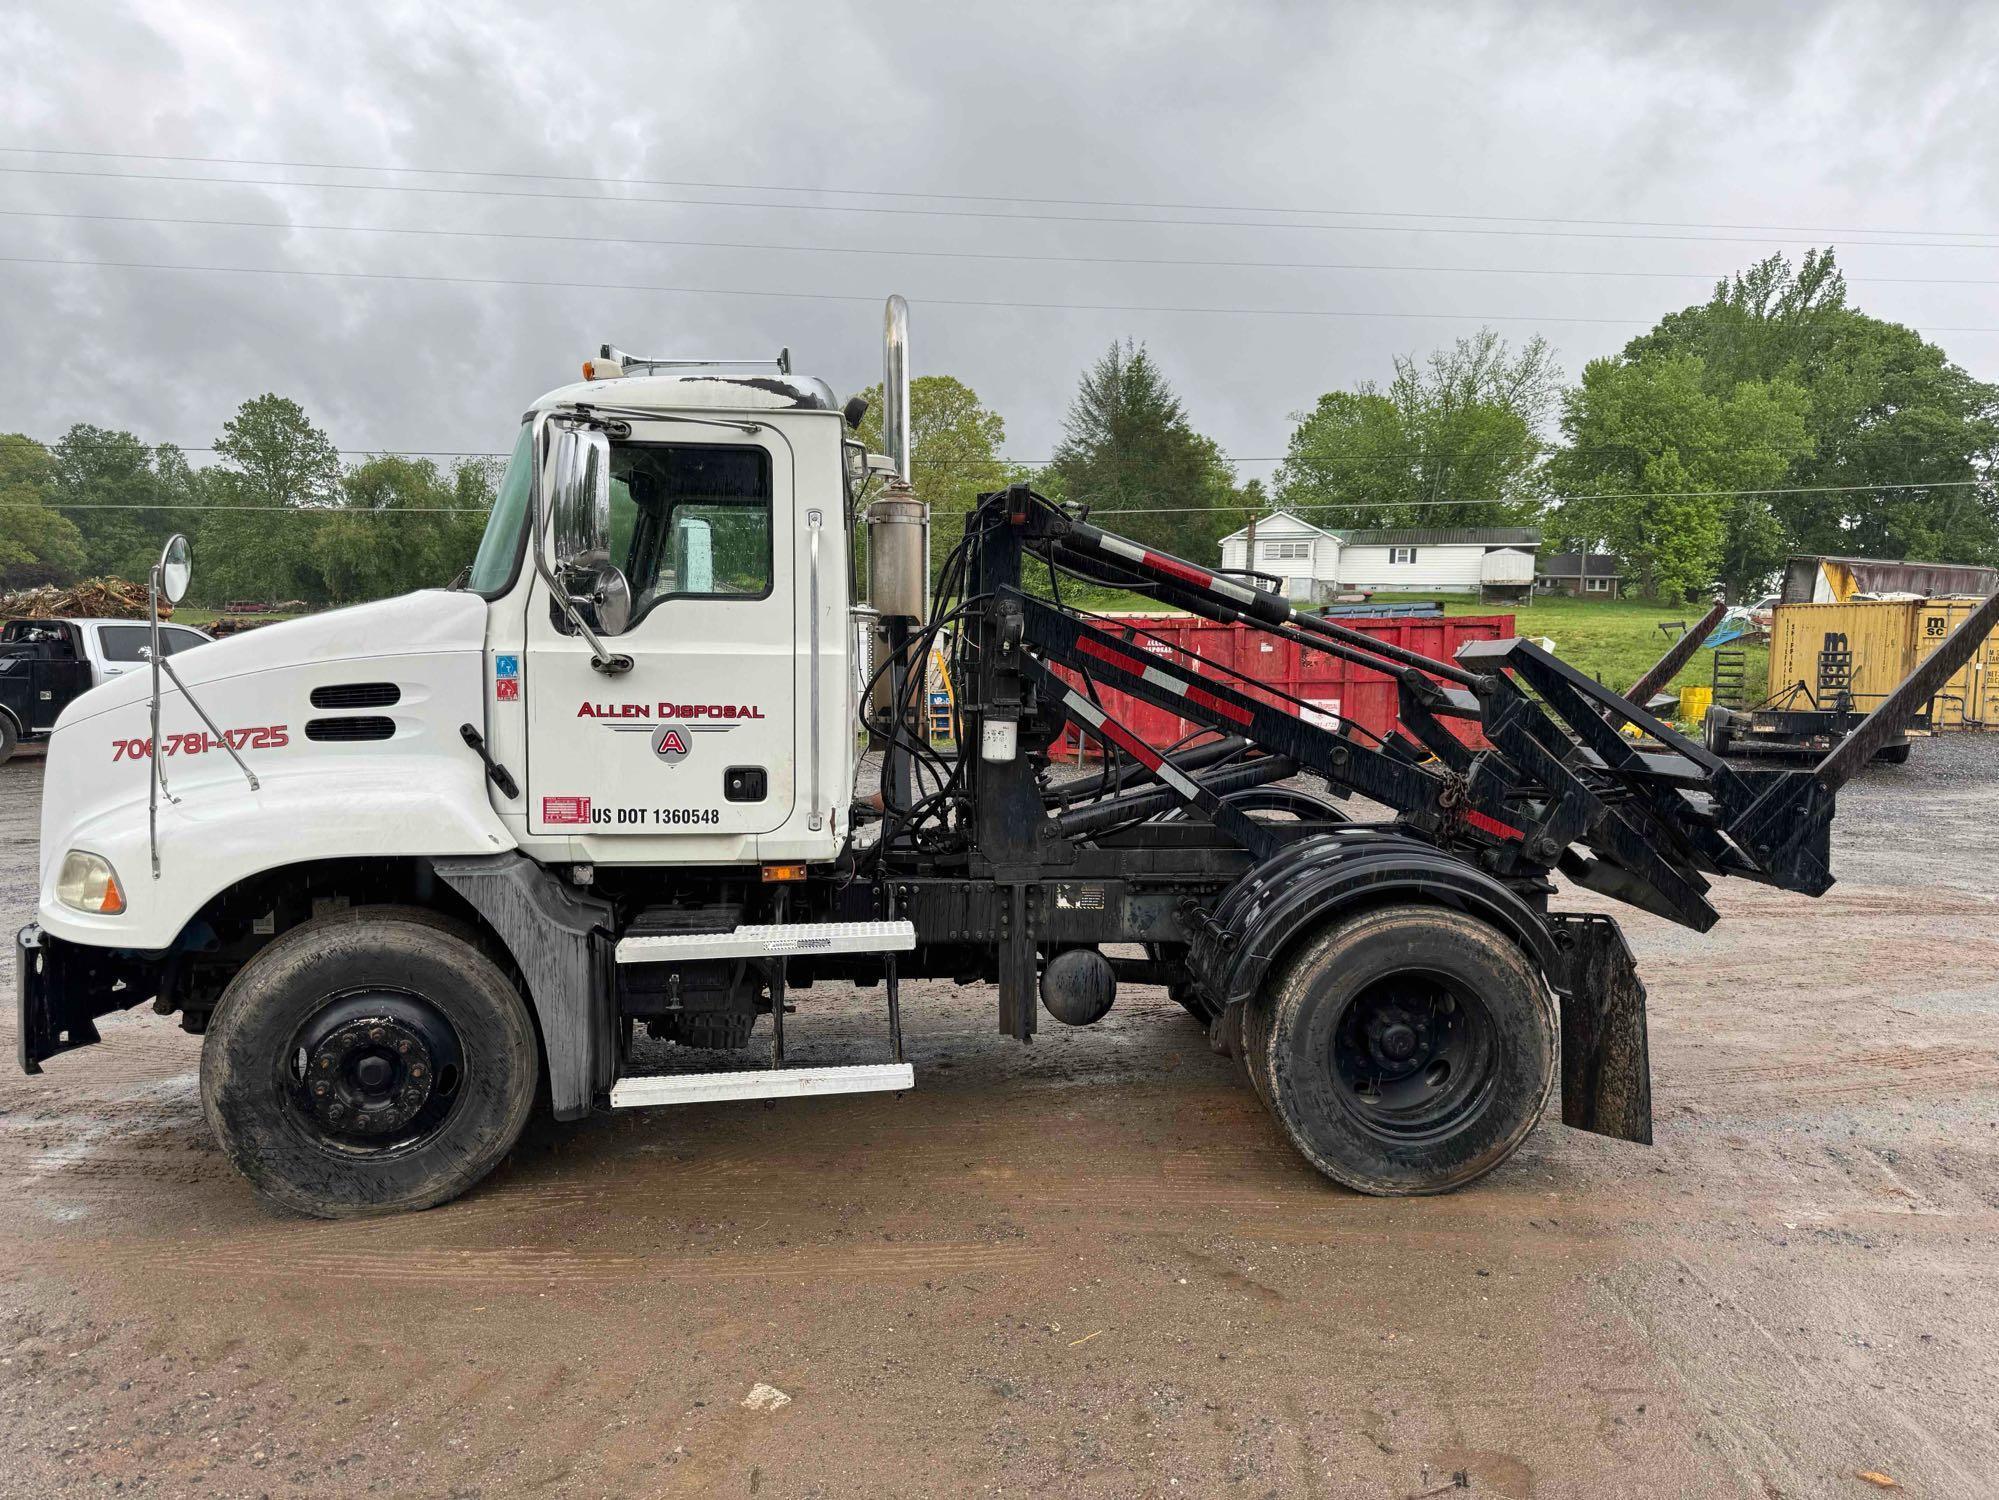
point(507, 666)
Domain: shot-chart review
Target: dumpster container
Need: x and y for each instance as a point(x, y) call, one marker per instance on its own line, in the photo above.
point(1336, 690)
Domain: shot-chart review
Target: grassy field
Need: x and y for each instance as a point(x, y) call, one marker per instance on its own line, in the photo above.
point(1612, 640)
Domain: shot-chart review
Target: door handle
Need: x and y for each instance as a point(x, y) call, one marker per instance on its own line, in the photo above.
point(814, 524)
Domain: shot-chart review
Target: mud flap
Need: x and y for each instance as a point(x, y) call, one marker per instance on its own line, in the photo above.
point(1606, 1065)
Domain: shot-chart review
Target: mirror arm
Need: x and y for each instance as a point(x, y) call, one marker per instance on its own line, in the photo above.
point(608, 662)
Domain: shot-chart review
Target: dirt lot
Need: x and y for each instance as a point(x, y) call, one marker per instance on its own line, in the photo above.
point(1090, 1267)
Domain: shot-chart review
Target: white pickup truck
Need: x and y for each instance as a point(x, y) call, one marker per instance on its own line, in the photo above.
point(44, 664)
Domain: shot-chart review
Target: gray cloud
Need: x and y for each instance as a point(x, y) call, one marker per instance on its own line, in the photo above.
point(1845, 117)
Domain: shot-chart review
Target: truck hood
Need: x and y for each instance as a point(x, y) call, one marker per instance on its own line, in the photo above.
point(420, 624)
point(351, 723)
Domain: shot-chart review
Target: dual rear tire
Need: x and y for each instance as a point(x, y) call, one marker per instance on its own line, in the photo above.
point(1406, 1050)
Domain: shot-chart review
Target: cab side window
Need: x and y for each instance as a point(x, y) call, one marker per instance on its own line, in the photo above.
point(691, 522)
point(125, 642)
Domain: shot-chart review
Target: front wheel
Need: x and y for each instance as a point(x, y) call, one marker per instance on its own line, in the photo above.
point(369, 1062)
point(1406, 1050)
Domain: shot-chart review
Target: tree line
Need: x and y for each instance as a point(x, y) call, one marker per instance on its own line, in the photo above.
point(277, 517)
point(1775, 417)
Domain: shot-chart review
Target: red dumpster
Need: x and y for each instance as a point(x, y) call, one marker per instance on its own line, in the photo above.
point(1336, 689)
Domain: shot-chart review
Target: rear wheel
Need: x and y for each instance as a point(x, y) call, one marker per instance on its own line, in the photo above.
point(1715, 731)
point(9, 738)
point(369, 1062)
point(1406, 1050)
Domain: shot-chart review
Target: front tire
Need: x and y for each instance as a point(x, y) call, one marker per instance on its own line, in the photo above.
point(1407, 1050)
point(370, 1062)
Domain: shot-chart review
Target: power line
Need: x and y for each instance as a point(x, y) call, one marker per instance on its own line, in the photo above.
point(1169, 510)
point(867, 297)
point(288, 510)
point(952, 197)
point(981, 255)
point(1555, 500)
point(963, 213)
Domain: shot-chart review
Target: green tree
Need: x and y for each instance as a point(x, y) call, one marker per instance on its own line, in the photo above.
point(400, 526)
point(1650, 447)
point(37, 544)
point(1884, 407)
point(1464, 427)
point(1128, 446)
point(267, 499)
point(124, 497)
point(954, 441)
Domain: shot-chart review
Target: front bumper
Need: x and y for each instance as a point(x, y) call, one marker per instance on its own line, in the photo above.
point(61, 988)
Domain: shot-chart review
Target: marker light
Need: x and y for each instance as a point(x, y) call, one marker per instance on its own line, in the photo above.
point(603, 369)
point(88, 883)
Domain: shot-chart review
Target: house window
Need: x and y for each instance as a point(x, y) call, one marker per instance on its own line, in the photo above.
point(1596, 585)
point(1401, 554)
point(1287, 551)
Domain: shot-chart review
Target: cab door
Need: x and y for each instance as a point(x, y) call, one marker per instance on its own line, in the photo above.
point(690, 751)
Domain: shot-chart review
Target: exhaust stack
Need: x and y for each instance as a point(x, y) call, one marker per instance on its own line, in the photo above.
point(898, 522)
point(898, 567)
point(895, 384)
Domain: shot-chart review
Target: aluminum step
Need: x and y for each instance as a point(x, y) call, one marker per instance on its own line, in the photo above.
point(762, 1083)
point(772, 940)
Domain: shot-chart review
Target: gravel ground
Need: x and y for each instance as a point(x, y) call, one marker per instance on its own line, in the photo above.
point(1089, 1267)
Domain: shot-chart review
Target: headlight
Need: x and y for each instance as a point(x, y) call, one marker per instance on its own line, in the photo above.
point(88, 883)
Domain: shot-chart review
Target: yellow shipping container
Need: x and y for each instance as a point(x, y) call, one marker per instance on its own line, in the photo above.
point(1887, 638)
point(1970, 700)
point(1880, 634)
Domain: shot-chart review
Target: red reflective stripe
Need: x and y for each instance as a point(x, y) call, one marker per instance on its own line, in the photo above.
point(1492, 826)
point(1130, 743)
point(1173, 567)
point(1087, 646)
point(1222, 706)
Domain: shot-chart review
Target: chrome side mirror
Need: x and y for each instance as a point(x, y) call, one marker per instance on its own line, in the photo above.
point(604, 592)
point(176, 569)
point(580, 497)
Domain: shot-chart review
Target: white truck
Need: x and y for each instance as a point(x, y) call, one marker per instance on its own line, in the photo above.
point(412, 865)
point(46, 663)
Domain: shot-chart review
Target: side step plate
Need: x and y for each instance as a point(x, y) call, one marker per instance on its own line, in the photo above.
point(773, 940)
point(762, 1083)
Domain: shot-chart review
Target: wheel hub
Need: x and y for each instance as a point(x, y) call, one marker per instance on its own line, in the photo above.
point(1398, 1040)
point(369, 1077)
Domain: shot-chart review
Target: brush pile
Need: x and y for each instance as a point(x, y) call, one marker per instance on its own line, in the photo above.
point(90, 599)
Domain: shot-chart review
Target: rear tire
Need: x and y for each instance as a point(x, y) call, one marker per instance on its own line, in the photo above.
point(370, 1062)
point(9, 739)
point(1715, 731)
point(1406, 1050)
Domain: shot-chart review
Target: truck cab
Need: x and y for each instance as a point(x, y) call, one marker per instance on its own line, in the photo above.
point(46, 663)
point(719, 735)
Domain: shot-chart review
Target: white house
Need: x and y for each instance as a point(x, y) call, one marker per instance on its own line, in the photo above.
point(1316, 563)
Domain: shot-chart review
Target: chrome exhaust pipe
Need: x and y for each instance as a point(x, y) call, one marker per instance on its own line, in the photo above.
point(895, 384)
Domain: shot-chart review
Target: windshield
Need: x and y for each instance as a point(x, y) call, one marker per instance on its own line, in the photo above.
point(500, 548)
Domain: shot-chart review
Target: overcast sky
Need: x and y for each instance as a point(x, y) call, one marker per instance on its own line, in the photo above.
point(1298, 126)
